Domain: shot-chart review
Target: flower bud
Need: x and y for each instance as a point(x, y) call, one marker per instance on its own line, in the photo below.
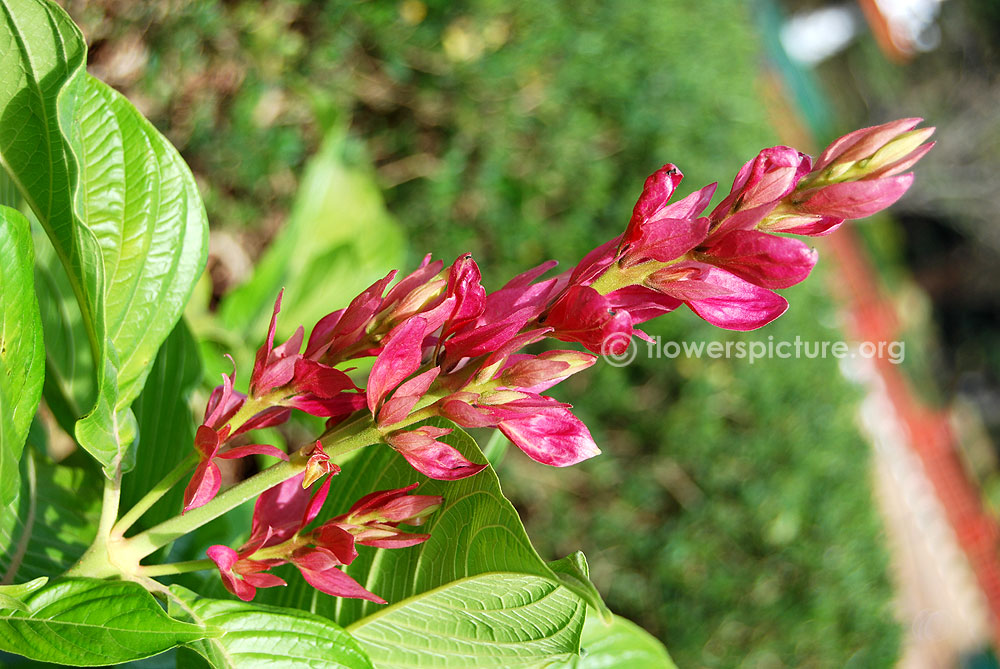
point(318, 465)
point(546, 369)
point(871, 153)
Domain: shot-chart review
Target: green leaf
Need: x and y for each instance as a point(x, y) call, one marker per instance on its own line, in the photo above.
point(88, 622)
point(338, 240)
point(574, 573)
point(267, 636)
point(42, 76)
point(142, 204)
point(619, 645)
point(490, 620)
point(475, 594)
point(22, 352)
point(116, 200)
point(51, 523)
point(11, 595)
point(69, 370)
point(166, 424)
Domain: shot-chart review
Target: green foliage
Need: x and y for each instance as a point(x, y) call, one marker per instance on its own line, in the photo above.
point(519, 132)
point(267, 636)
point(50, 523)
point(320, 259)
point(488, 620)
point(455, 594)
point(22, 353)
point(166, 423)
point(617, 644)
point(87, 622)
point(118, 204)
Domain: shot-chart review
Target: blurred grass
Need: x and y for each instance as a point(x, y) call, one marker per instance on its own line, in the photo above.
point(730, 513)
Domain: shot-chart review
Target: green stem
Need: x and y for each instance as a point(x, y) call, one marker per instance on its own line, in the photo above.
point(109, 503)
point(350, 437)
point(616, 277)
point(154, 495)
point(144, 543)
point(96, 561)
point(175, 568)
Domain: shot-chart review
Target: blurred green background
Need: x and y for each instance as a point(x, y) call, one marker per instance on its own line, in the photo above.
point(730, 513)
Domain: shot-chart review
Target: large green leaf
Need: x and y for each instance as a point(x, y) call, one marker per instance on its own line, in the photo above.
point(51, 522)
point(143, 206)
point(42, 75)
point(117, 201)
point(22, 352)
point(475, 594)
point(166, 424)
point(491, 620)
point(619, 645)
point(69, 371)
point(88, 622)
point(267, 636)
point(339, 239)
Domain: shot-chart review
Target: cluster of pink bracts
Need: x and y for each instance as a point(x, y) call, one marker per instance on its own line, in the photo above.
point(444, 347)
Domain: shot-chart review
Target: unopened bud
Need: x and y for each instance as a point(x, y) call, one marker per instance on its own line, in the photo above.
point(550, 368)
point(418, 300)
point(318, 465)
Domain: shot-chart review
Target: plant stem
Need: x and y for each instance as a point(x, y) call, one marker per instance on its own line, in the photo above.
point(154, 495)
point(96, 561)
point(139, 546)
point(109, 503)
point(144, 543)
point(176, 568)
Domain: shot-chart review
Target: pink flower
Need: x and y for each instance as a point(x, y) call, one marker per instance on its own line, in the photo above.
point(416, 293)
point(278, 536)
point(224, 403)
point(207, 478)
point(479, 338)
point(401, 356)
point(865, 142)
point(552, 437)
point(854, 199)
point(275, 366)
point(319, 390)
point(308, 385)
point(758, 188)
point(664, 240)
point(280, 514)
point(375, 518)
point(335, 335)
point(431, 457)
point(656, 192)
point(723, 299)
point(535, 373)
point(539, 425)
point(463, 299)
point(405, 398)
point(319, 567)
point(856, 176)
point(241, 576)
point(583, 315)
point(762, 259)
